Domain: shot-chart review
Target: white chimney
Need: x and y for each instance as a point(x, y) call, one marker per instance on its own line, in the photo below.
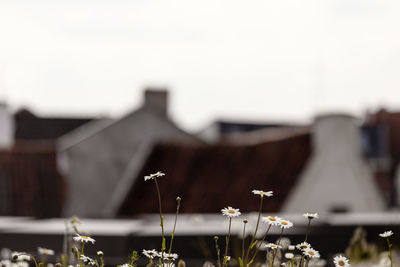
point(6, 127)
point(336, 178)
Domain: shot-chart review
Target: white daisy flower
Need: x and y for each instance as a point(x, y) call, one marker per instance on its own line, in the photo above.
point(171, 257)
point(291, 247)
point(263, 193)
point(20, 256)
point(227, 258)
point(126, 265)
point(45, 251)
point(100, 253)
point(285, 223)
point(289, 256)
point(154, 175)
point(87, 260)
point(310, 216)
point(386, 234)
point(272, 246)
point(23, 264)
point(5, 263)
point(341, 261)
point(230, 212)
point(312, 253)
point(83, 238)
point(151, 254)
point(303, 246)
point(272, 220)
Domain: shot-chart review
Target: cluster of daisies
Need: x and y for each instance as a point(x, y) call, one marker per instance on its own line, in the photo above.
point(290, 259)
point(153, 254)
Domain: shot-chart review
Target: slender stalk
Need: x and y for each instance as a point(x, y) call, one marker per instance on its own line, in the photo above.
point(34, 259)
point(227, 242)
point(300, 261)
point(306, 238)
point(161, 223)
point(81, 253)
point(308, 260)
point(255, 232)
point(178, 199)
point(308, 230)
point(276, 250)
point(217, 248)
point(259, 244)
point(390, 250)
point(243, 237)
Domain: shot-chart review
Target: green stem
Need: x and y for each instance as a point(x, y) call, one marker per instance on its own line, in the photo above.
point(255, 232)
point(308, 230)
point(173, 230)
point(218, 252)
point(161, 223)
point(227, 242)
point(259, 244)
point(390, 250)
point(81, 253)
point(243, 237)
point(34, 259)
point(276, 250)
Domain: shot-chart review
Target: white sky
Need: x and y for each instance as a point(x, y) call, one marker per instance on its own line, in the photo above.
point(259, 60)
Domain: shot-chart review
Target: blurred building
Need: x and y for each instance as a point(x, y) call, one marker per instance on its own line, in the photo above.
point(30, 183)
point(94, 167)
point(102, 159)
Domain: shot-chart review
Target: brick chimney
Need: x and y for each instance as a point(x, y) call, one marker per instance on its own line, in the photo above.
point(156, 100)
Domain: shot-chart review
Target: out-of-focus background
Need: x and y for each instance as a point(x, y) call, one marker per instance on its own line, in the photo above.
point(297, 97)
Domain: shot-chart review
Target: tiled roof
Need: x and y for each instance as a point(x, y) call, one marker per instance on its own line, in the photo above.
point(30, 182)
point(210, 177)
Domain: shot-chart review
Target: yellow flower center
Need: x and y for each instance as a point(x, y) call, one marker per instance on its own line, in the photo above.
point(231, 211)
point(341, 263)
point(84, 237)
point(284, 223)
point(273, 245)
point(311, 253)
point(272, 218)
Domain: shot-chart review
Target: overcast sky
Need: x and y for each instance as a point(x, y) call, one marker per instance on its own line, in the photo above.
point(259, 60)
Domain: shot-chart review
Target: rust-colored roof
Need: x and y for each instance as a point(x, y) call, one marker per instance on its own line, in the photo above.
point(210, 177)
point(30, 182)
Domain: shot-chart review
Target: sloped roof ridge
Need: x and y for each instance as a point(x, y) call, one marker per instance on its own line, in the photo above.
point(92, 128)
